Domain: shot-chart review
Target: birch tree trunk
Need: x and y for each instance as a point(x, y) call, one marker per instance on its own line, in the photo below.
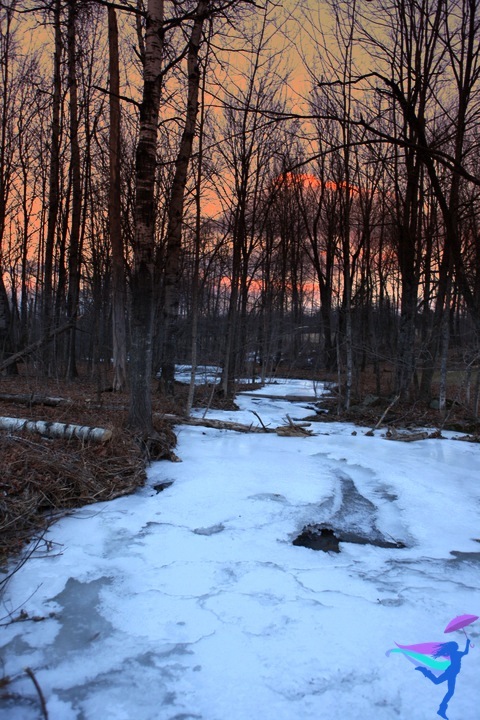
point(175, 212)
point(140, 413)
point(56, 429)
point(116, 241)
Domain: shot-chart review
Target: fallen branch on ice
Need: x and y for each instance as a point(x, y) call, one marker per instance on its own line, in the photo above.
point(216, 424)
point(468, 438)
point(393, 434)
point(41, 696)
point(290, 429)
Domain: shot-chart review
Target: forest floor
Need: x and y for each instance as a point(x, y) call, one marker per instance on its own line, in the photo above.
point(43, 478)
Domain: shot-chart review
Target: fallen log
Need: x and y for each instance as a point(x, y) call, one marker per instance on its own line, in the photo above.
point(33, 399)
point(290, 429)
point(289, 398)
point(468, 438)
point(56, 429)
point(393, 434)
point(216, 424)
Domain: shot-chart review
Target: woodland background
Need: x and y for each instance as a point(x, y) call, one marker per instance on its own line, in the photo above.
point(262, 187)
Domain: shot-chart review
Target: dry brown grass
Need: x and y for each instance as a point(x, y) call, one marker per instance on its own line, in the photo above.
point(42, 477)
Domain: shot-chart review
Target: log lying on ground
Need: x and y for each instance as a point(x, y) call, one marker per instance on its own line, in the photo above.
point(34, 399)
point(216, 424)
point(290, 398)
point(56, 429)
point(393, 434)
point(290, 429)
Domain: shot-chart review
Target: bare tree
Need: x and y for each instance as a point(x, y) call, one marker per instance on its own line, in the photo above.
point(74, 254)
point(176, 201)
point(433, 70)
point(140, 414)
point(119, 294)
point(8, 49)
point(54, 184)
point(249, 149)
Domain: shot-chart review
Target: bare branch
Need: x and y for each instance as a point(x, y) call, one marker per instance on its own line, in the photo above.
point(41, 696)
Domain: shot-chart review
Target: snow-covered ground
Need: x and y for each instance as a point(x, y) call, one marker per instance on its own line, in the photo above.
point(192, 602)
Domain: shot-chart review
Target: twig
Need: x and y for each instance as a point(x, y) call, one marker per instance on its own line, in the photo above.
point(26, 556)
point(259, 419)
point(10, 614)
point(395, 399)
point(43, 704)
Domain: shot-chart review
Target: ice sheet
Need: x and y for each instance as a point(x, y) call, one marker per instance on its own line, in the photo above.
point(193, 602)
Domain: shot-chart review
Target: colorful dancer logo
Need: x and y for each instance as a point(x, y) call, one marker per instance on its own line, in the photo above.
point(439, 662)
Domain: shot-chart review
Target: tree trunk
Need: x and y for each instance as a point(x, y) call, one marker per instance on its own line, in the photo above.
point(405, 360)
point(116, 240)
point(196, 268)
point(228, 370)
point(6, 334)
point(140, 413)
point(75, 221)
point(175, 211)
point(445, 338)
point(434, 340)
point(53, 190)
point(6, 344)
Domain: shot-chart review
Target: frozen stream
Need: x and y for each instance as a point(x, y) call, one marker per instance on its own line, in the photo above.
point(194, 603)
